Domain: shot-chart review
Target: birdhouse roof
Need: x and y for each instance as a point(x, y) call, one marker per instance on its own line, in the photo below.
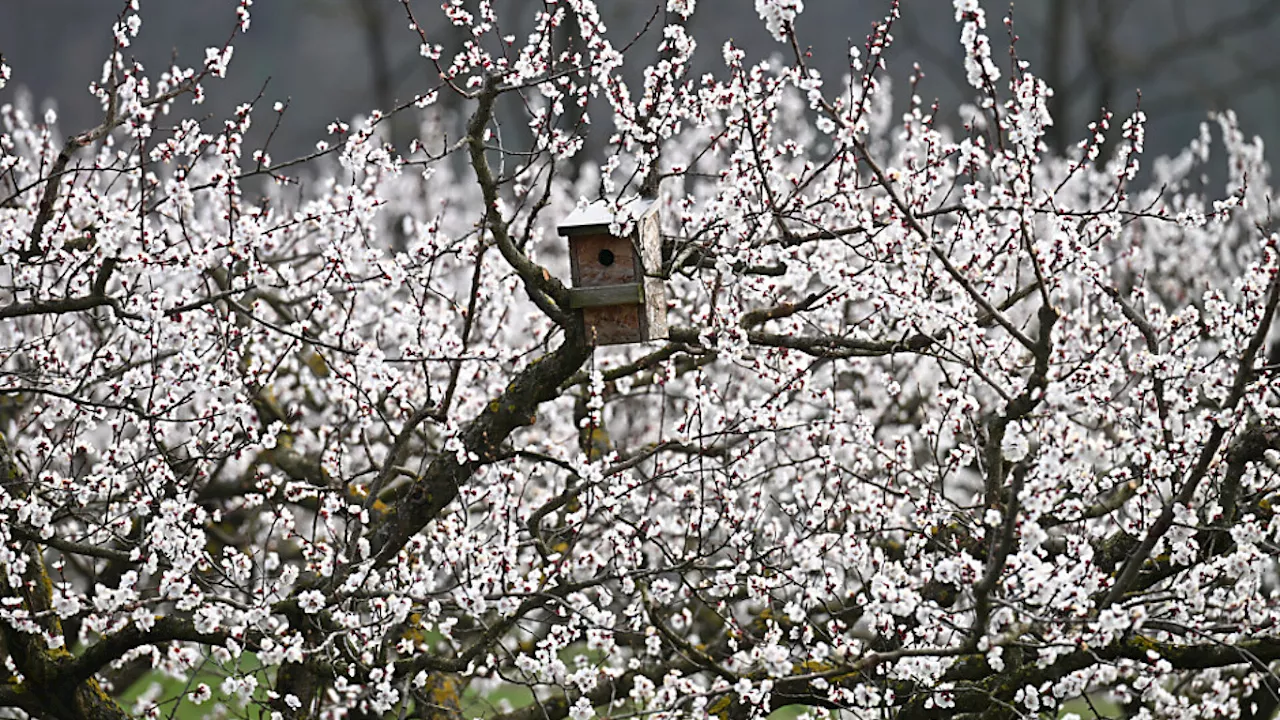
point(597, 216)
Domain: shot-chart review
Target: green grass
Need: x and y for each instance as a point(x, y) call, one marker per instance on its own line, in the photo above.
point(1105, 708)
point(172, 697)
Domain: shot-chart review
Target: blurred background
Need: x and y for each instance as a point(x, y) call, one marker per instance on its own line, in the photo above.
point(334, 59)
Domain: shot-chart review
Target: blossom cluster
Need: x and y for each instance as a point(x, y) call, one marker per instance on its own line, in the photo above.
point(944, 422)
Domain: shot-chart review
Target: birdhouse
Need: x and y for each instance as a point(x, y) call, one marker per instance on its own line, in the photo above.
point(616, 280)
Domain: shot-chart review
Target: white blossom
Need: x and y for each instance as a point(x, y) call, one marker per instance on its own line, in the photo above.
point(779, 15)
point(928, 402)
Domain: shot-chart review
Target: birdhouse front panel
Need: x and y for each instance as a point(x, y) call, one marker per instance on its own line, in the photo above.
point(609, 266)
point(600, 260)
point(613, 324)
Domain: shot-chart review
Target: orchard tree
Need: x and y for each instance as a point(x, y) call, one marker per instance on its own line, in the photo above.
point(946, 425)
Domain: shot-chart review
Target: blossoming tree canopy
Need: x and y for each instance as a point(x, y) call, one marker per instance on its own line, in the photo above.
point(944, 425)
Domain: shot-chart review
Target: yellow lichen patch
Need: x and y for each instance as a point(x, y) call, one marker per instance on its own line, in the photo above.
point(720, 708)
point(58, 654)
point(316, 363)
point(413, 630)
point(1144, 643)
point(813, 667)
point(96, 690)
point(444, 692)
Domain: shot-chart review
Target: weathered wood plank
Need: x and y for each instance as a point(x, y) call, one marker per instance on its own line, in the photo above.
point(589, 297)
